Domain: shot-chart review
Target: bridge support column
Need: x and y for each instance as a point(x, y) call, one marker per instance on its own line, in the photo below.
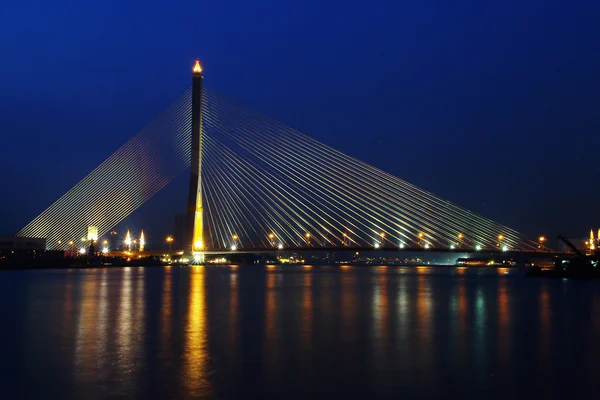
point(194, 237)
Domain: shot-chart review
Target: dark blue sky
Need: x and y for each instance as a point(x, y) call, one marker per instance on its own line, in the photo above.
point(492, 105)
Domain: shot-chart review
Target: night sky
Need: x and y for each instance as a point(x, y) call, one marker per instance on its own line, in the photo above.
point(492, 105)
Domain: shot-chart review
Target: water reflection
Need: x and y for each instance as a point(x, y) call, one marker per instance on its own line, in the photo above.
point(307, 311)
point(233, 305)
point(86, 349)
point(271, 338)
point(545, 328)
point(503, 322)
point(365, 333)
point(424, 320)
point(195, 357)
point(166, 315)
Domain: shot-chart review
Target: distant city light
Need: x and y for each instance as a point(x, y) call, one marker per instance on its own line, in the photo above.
point(128, 240)
point(142, 241)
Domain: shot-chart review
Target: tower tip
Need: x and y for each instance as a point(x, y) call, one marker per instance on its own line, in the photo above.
point(197, 67)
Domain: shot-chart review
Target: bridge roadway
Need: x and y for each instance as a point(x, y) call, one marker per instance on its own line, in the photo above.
point(384, 249)
point(274, 250)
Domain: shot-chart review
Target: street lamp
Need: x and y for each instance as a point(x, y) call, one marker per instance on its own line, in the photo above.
point(307, 238)
point(382, 234)
point(459, 241)
point(169, 241)
point(542, 239)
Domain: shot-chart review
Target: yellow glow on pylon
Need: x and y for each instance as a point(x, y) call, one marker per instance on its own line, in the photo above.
point(198, 242)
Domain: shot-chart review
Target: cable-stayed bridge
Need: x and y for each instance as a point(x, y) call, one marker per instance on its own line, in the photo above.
point(263, 185)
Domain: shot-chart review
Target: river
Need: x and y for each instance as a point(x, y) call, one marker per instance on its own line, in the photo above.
point(297, 332)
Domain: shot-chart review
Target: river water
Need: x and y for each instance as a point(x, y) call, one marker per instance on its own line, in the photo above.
point(297, 332)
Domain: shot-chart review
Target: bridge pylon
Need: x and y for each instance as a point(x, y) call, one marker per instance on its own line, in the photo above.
point(194, 238)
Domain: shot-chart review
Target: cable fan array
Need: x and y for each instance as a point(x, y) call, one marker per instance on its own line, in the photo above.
point(123, 182)
point(265, 185)
point(268, 185)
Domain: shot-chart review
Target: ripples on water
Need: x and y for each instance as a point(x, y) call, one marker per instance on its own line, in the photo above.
point(297, 332)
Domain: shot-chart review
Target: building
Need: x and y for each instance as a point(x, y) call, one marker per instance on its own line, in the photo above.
point(17, 243)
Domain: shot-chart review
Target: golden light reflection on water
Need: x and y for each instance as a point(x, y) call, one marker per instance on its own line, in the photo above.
point(166, 315)
point(380, 307)
point(130, 321)
point(85, 353)
point(349, 305)
point(424, 318)
point(545, 315)
point(195, 357)
point(124, 316)
point(103, 322)
point(503, 321)
point(307, 311)
point(270, 338)
point(233, 306)
point(462, 309)
point(381, 327)
point(67, 314)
